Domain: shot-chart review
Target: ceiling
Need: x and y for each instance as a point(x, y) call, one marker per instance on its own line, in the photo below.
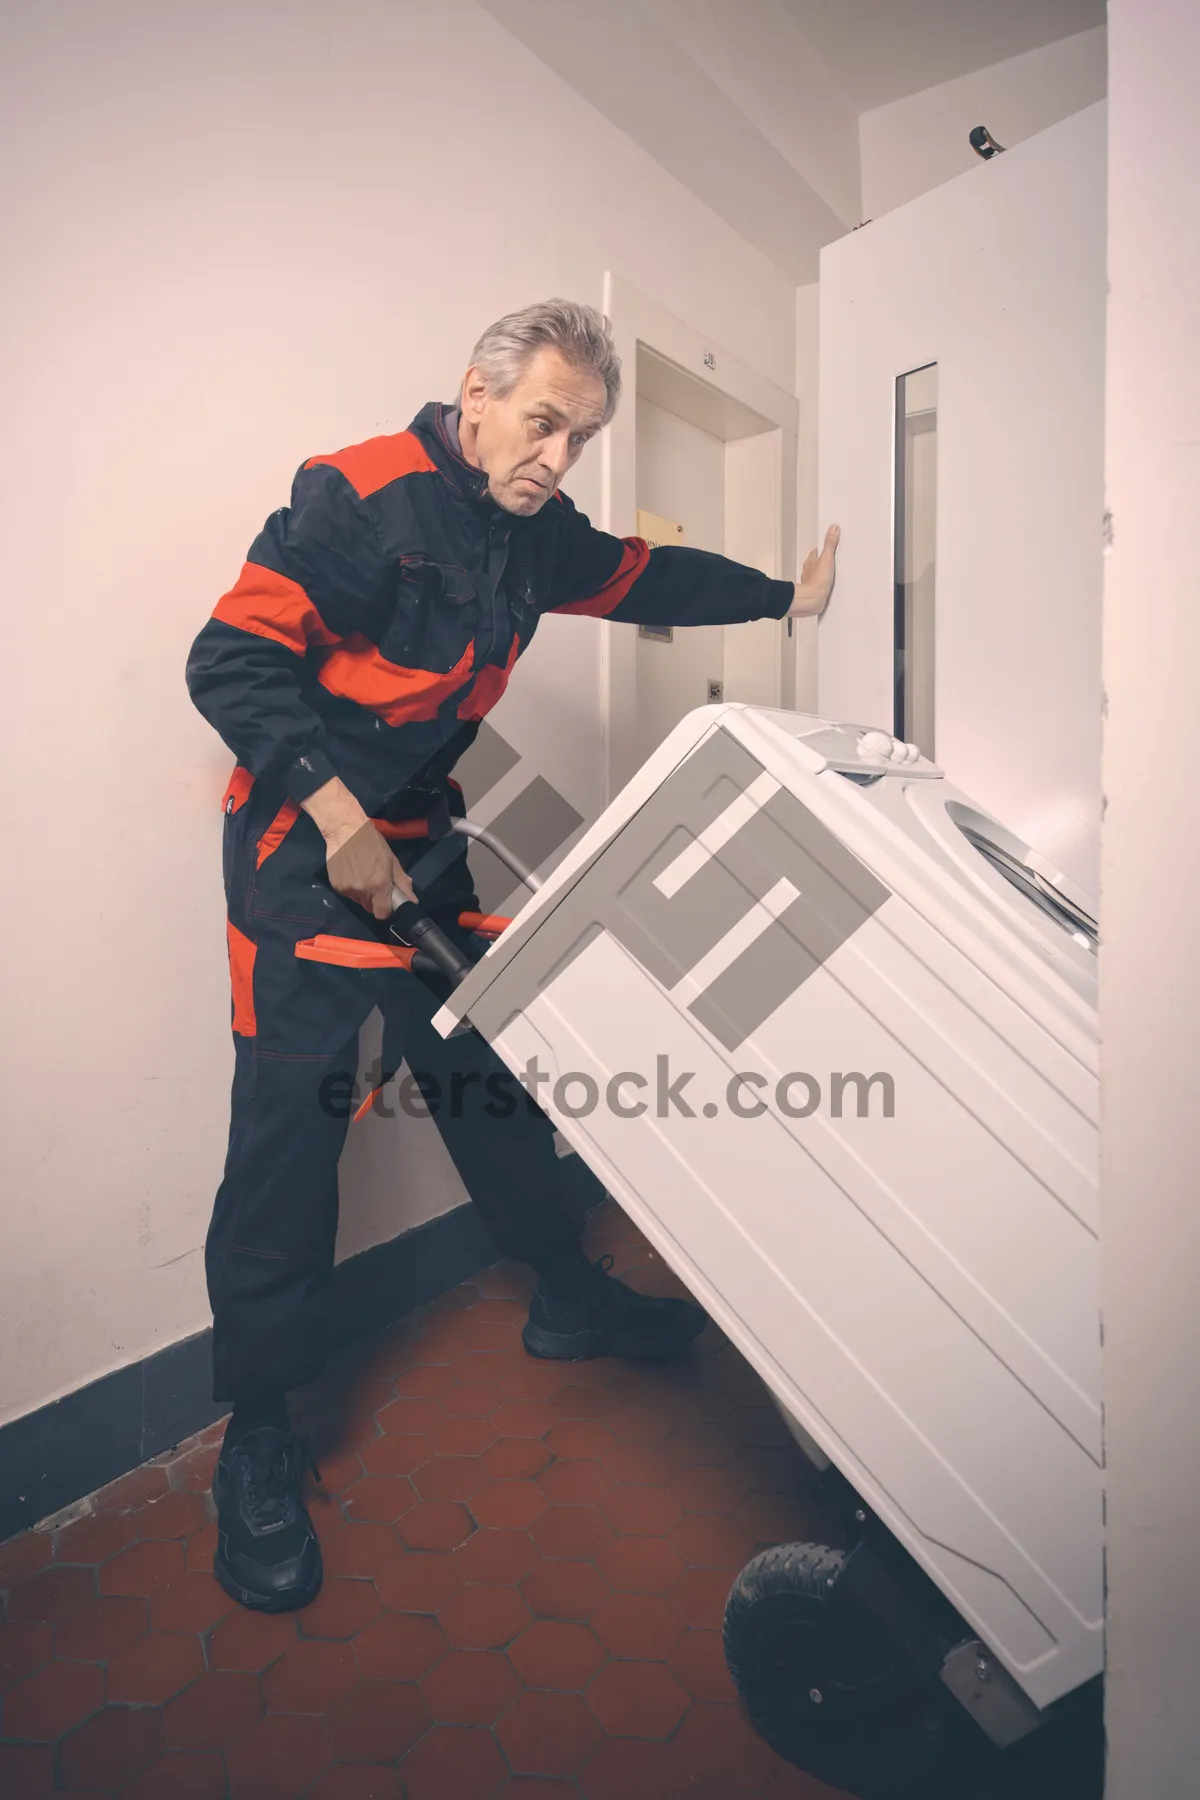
point(754, 105)
point(881, 50)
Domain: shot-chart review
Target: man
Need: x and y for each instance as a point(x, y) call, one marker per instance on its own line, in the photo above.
point(377, 620)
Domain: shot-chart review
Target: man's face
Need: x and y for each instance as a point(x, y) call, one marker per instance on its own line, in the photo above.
point(527, 440)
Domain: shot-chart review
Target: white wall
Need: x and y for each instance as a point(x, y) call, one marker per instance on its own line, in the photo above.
point(916, 143)
point(800, 685)
point(1149, 967)
point(998, 277)
point(236, 236)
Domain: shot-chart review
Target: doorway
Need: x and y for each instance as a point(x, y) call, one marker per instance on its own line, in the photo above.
point(704, 457)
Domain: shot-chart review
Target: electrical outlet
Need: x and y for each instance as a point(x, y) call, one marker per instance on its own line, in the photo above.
point(716, 692)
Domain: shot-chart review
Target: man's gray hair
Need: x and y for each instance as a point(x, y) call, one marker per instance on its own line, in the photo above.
point(579, 333)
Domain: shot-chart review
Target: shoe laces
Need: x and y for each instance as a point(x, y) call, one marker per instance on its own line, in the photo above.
point(274, 1465)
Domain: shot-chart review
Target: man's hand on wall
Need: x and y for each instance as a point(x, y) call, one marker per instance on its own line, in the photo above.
point(816, 579)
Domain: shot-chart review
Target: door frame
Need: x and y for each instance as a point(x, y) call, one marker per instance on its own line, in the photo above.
point(637, 320)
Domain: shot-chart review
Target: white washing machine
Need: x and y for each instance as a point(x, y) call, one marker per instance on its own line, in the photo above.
point(879, 1173)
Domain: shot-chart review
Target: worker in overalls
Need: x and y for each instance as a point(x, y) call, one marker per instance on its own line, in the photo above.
point(378, 618)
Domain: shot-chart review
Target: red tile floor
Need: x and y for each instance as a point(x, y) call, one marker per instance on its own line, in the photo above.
point(526, 1568)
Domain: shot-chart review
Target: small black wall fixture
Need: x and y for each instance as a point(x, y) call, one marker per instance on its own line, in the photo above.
point(984, 144)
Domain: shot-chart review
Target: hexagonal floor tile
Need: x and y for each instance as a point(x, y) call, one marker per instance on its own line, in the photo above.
point(633, 1699)
point(396, 1454)
point(475, 1399)
point(524, 1418)
point(400, 1647)
point(470, 1687)
point(409, 1418)
point(515, 1458)
point(640, 1511)
point(142, 1569)
point(359, 1550)
point(23, 1556)
point(641, 1565)
point(214, 1711)
point(711, 1541)
point(699, 1597)
point(698, 1663)
point(171, 1515)
point(707, 1488)
point(420, 1581)
point(449, 1478)
point(278, 1758)
point(133, 1490)
point(436, 1525)
point(461, 1434)
point(23, 1648)
point(341, 1610)
point(542, 1787)
point(496, 1556)
point(641, 1769)
point(638, 1625)
point(451, 1760)
point(51, 1594)
point(379, 1498)
point(102, 1628)
point(511, 1505)
point(564, 1590)
point(423, 1380)
point(112, 1748)
point(155, 1668)
point(183, 1775)
point(717, 1744)
point(94, 1539)
point(356, 1781)
point(377, 1722)
point(556, 1653)
point(26, 1770)
point(250, 1641)
point(309, 1677)
point(188, 1602)
point(575, 1481)
point(548, 1734)
point(581, 1439)
point(575, 1400)
point(573, 1532)
point(484, 1618)
point(54, 1700)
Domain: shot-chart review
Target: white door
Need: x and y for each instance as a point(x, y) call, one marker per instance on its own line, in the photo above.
point(681, 477)
point(706, 442)
point(998, 279)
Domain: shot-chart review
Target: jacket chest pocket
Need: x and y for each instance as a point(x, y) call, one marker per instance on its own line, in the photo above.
point(434, 617)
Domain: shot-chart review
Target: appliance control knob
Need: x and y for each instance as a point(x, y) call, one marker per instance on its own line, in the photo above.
point(876, 743)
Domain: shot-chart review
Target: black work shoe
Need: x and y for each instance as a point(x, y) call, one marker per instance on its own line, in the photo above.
point(268, 1557)
point(609, 1319)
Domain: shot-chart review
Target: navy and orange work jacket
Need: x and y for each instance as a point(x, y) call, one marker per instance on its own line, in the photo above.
point(378, 616)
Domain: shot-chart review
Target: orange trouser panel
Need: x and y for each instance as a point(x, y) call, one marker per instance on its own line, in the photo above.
point(238, 791)
point(277, 830)
point(242, 952)
point(353, 953)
